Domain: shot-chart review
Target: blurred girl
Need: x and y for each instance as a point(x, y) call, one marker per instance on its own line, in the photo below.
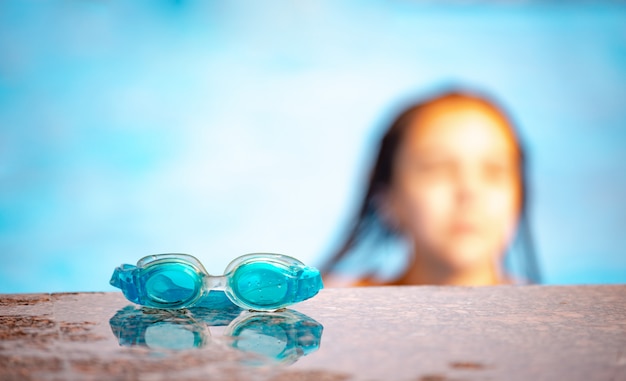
point(449, 179)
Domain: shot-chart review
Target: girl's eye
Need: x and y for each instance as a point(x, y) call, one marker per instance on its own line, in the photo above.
point(434, 167)
point(497, 172)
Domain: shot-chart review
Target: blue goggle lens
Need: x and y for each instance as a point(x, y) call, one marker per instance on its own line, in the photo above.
point(261, 285)
point(172, 284)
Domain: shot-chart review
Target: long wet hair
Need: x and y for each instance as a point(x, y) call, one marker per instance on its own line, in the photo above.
point(367, 222)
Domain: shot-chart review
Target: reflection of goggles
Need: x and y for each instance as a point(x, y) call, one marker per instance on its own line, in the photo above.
point(262, 282)
point(282, 336)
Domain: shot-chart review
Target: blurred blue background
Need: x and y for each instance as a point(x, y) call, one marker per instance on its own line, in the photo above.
point(221, 128)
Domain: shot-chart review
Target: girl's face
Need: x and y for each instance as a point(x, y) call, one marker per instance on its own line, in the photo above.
point(456, 189)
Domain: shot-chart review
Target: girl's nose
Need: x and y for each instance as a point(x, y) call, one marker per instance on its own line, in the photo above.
point(468, 186)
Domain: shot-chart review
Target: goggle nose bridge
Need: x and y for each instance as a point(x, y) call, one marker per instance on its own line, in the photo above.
point(215, 282)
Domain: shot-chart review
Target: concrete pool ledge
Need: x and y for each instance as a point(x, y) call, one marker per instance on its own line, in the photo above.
point(378, 333)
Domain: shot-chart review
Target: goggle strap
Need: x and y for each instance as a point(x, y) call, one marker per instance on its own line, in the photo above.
point(309, 284)
point(124, 279)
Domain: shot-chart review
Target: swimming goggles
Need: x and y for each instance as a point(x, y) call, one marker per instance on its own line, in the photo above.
point(258, 281)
